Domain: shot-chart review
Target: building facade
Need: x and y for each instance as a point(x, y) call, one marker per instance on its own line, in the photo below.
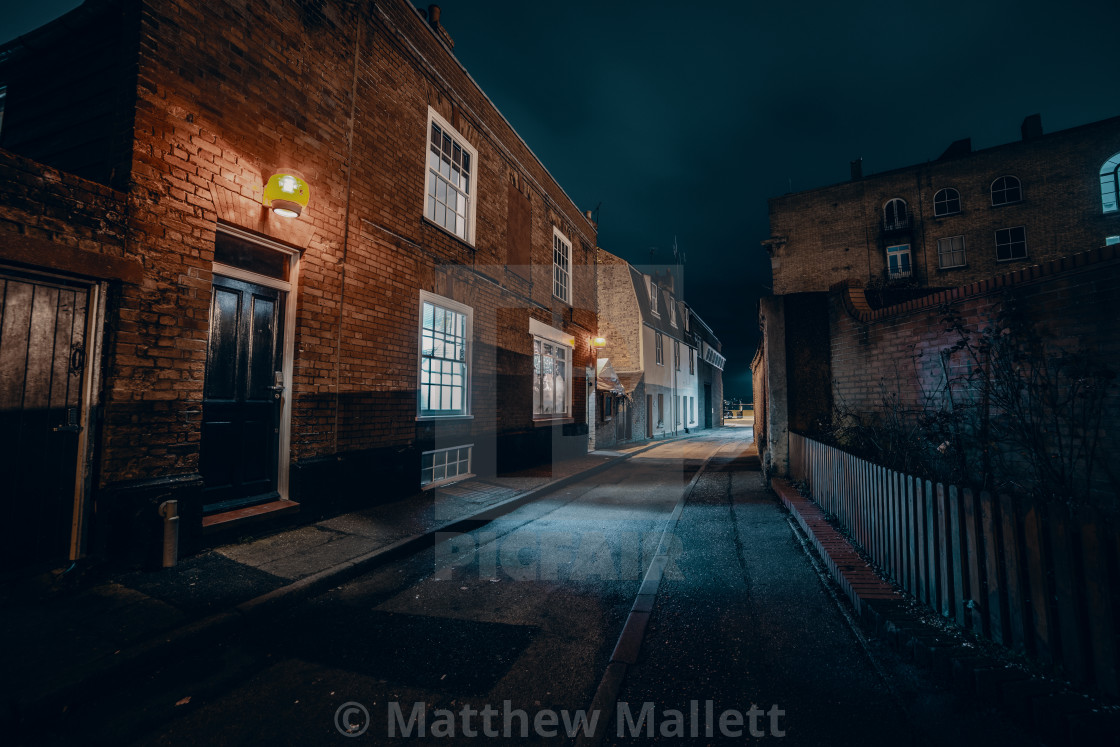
point(966, 216)
point(656, 346)
point(886, 285)
point(425, 314)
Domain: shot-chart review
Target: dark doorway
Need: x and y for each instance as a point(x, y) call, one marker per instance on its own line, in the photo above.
point(649, 416)
point(42, 363)
point(708, 405)
point(241, 396)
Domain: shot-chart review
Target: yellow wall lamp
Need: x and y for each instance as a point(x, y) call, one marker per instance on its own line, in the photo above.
point(287, 194)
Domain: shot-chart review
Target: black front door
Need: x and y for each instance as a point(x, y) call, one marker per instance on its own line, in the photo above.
point(708, 405)
point(241, 398)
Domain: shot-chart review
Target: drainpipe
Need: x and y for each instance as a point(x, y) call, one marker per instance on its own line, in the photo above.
point(169, 512)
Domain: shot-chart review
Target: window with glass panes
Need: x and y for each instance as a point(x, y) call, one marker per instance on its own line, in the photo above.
point(658, 349)
point(562, 267)
point(450, 173)
point(950, 252)
point(551, 377)
point(444, 351)
point(1011, 243)
point(442, 465)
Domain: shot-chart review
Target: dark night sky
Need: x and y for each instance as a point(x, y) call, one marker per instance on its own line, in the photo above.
point(681, 119)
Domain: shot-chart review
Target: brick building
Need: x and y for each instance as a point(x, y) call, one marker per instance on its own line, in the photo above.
point(666, 360)
point(980, 234)
point(966, 216)
point(167, 336)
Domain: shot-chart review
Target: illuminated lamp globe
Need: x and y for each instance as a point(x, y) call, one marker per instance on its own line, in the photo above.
point(287, 194)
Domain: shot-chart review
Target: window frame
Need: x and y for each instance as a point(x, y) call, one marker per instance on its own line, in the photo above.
point(1110, 185)
point(691, 361)
point(952, 250)
point(658, 348)
point(431, 191)
point(558, 272)
point(1005, 189)
point(447, 304)
point(651, 291)
point(909, 273)
point(544, 334)
point(1026, 251)
point(677, 354)
point(672, 313)
point(938, 200)
point(896, 224)
point(447, 479)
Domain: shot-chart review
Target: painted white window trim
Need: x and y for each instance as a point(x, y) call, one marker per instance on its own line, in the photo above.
point(467, 311)
point(540, 329)
point(472, 197)
point(558, 234)
point(651, 293)
point(448, 480)
point(549, 333)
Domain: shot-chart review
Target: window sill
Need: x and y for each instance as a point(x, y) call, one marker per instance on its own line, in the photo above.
point(1013, 259)
point(448, 481)
point(540, 421)
point(422, 418)
point(954, 267)
point(441, 229)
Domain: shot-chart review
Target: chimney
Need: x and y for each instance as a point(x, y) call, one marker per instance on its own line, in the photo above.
point(957, 149)
point(857, 169)
point(441, 32)
point(1032, 127)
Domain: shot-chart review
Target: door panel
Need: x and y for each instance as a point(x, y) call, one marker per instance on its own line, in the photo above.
point(240, 410)
point(42, 360)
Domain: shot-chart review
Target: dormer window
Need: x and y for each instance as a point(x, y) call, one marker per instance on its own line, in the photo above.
point(651, 289)
point(672, 313)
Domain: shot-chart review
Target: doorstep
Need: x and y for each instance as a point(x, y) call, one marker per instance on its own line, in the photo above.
point(251, 514)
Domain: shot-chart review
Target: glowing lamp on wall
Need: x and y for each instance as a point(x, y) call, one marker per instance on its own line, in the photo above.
point(598, 342)
point(287, 194)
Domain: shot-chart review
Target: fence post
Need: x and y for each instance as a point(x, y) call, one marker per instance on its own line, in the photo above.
point(945, 595)
point(932, 536)
point(972, 545)
point(1068, 583)
point(1102, 605)
point(994, 606)
point(960, 594)
point(1016, 607)
point(911, 536)
point(922, 586)
point(1035, 552)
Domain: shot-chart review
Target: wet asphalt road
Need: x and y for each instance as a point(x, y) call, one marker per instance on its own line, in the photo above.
point(523, 614)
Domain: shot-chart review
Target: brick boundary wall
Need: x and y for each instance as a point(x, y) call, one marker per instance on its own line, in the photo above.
point(898, 350)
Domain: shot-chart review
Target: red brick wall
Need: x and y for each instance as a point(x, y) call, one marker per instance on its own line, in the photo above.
point(230, 93)
point(833, 233)
point(1072, 303)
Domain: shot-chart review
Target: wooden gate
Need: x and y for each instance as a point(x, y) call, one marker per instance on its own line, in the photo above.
point(42, 365)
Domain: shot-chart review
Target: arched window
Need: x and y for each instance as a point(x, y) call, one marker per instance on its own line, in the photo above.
point(946, 202)
point(894, 214)
point(1006, 190)
point(1109, 178)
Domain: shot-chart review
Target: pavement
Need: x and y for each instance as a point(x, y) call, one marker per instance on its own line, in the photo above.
point(70, 639)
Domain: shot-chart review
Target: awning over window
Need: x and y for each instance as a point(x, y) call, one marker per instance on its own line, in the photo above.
point(605, 378)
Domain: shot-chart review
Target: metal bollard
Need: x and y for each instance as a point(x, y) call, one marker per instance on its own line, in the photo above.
point(169, 511)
